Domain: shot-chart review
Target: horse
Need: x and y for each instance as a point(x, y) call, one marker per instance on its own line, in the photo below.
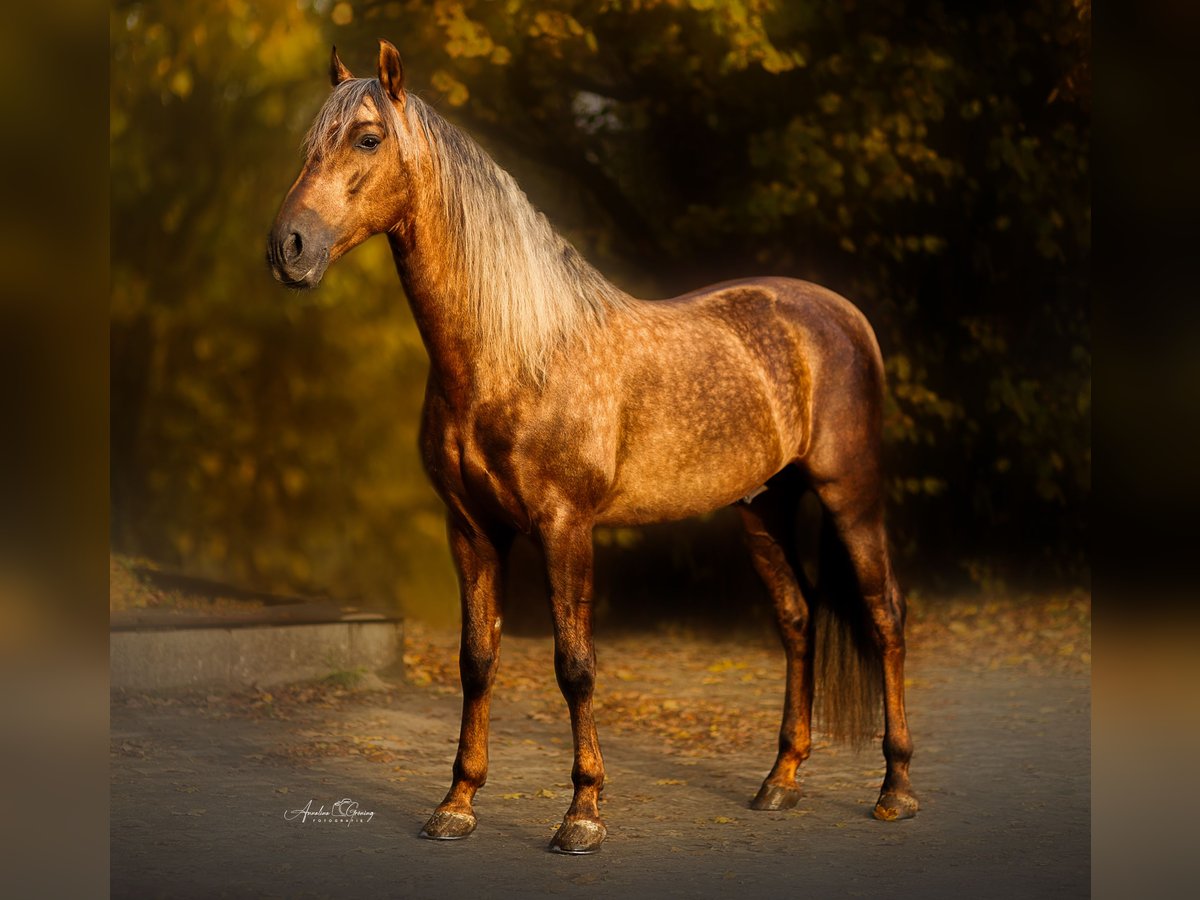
point(556, 403)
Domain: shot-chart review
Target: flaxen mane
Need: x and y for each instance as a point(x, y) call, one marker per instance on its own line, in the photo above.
point(530, 290)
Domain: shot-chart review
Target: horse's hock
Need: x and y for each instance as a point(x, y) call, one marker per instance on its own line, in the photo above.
point(162, 651)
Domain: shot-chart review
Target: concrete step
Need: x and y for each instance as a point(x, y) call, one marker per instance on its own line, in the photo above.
point(162, 650)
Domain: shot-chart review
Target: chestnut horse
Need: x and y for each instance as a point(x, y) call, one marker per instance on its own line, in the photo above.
point(556, 403)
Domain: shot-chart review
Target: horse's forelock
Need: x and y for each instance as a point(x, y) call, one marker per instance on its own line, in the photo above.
point(339, 111)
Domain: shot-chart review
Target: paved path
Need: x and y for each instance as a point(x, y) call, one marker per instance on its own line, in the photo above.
point(200, 786)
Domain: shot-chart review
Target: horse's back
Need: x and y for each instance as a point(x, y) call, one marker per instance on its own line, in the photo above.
point(826, 322)
point(825, 331)
point(719, 389)
point(838, 352)
point(804, 337)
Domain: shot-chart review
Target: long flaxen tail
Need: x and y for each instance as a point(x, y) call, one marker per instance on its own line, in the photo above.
point(847, 666)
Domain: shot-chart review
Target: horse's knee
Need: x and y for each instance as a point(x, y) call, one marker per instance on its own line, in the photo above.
point(477, 669)
point(576, 672)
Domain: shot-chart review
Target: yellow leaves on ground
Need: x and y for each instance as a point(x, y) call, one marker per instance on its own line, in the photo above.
point(693, 718)
point(1052, 634)
point(690, 720)
point(725, 665)
point(543, 793)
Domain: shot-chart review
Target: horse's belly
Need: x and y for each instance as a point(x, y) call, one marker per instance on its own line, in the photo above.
point(689, 461)
point(678, 498)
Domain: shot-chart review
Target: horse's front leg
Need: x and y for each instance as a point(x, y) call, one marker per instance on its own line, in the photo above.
point(478, 558)
point(568, 547)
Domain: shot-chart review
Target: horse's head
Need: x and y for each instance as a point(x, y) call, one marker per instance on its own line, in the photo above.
point(354, 183)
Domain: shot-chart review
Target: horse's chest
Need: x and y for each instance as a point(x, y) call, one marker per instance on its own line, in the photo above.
point(472, 463)
point(489, 473)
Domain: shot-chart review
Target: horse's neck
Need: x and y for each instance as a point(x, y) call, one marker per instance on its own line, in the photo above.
point(438, 297)
point(493, 358)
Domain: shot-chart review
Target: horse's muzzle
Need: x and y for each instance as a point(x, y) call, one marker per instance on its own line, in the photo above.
point(298, 250)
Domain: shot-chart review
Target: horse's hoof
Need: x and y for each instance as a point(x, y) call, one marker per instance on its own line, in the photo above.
point(445, 825)
point(893, 807)
point(578, 837)
point(775, 796)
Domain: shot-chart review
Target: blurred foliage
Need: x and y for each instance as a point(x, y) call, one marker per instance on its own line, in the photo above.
point(931, 163)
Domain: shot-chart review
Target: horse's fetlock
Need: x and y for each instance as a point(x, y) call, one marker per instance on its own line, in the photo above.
point(587, 780)
point(897, 749)
point(798, 752)
point(473, 774)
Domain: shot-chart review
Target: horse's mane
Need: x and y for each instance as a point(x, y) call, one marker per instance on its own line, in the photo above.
point(529, 290)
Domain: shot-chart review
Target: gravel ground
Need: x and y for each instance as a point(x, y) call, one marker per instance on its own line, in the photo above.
point(204, 787)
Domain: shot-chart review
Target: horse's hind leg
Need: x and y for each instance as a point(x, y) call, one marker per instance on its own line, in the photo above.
point(478, 559)
point(856, 505)
point(770, 521)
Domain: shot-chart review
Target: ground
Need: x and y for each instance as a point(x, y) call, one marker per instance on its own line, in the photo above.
point(203, 785)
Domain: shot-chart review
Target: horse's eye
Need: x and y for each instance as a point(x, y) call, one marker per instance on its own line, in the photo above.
point(368, 142)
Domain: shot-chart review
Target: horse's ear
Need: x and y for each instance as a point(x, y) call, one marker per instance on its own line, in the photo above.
point(337, 72)
point(391, 71)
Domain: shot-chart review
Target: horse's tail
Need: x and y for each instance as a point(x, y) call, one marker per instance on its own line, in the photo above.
point(847, 665)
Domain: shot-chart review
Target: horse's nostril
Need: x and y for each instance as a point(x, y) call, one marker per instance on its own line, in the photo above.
point(292, 247)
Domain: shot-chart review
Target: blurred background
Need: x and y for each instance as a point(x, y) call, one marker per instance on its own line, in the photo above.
point(929, 162)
